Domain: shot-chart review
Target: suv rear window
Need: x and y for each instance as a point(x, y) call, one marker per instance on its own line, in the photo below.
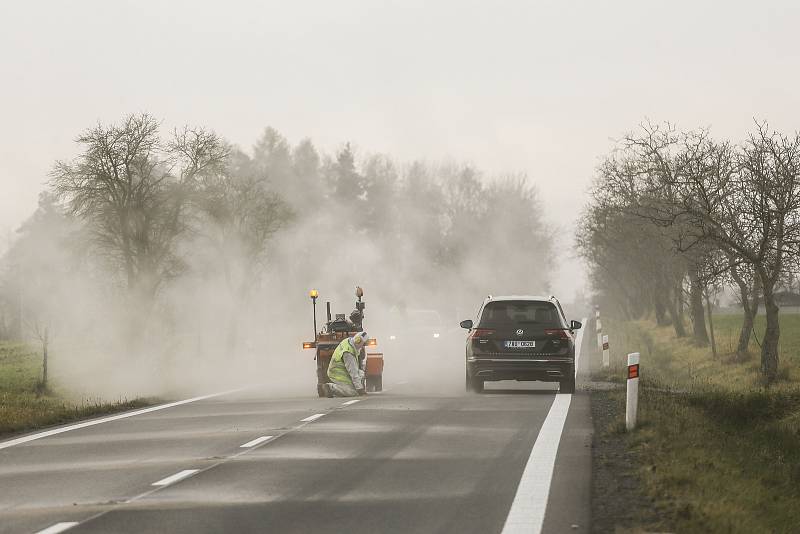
point(510, 313)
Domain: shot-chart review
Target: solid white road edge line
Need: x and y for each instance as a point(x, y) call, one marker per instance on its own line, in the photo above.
point(58, 527)
point(348, 403)
point(312, 417)
point(61, 430)
point(255, 442)
point(530, 502)
point(175, 478)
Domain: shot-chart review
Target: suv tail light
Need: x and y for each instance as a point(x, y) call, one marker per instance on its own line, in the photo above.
point(481, 332)
point(557, 332)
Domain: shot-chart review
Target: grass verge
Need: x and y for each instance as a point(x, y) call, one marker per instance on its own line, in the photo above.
point(714, 450)
point(26, 405)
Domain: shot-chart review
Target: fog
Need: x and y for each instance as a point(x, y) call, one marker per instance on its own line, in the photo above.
point(534, 87)
point(175, 262)
point(522, 89)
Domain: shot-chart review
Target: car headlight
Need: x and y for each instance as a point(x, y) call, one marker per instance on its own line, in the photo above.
point(392, 338)
point(436, 335)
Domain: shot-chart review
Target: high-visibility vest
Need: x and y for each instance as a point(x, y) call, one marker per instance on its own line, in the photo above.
point(336, 368)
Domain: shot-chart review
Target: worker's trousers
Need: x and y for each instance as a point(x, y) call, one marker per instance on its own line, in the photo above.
point(342, 390)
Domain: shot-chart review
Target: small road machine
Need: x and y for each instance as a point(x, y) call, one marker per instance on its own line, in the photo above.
point(336, 329)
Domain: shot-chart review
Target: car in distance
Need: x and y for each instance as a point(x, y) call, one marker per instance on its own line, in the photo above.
point(522, 338)
point(417, 326)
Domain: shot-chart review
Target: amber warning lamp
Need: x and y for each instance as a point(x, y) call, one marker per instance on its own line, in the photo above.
point(313, 294)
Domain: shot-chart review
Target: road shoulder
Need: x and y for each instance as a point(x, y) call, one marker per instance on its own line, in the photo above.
point(569, 502)
point(619, 500)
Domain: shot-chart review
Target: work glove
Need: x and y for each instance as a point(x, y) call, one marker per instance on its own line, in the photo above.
point(361, 392)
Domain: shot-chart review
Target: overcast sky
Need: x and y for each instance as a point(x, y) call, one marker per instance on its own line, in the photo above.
point(534, 87)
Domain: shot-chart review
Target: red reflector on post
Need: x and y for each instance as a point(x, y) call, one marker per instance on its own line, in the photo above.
point(633, 371)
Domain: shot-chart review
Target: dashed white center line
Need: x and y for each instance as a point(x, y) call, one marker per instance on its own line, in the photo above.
point(58, 527)
point(255, 442)
point(175, 478)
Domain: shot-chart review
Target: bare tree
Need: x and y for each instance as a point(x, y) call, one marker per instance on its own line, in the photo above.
point(744, 201)
point(130, 187)
point(627, 221)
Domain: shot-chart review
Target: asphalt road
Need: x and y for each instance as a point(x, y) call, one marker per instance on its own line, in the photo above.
point(400, 461)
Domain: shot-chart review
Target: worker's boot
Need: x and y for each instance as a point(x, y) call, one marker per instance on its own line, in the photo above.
point(327, 391)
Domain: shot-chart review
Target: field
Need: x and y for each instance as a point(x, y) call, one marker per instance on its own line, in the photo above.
point(716, 449)
point(681, 364)
point(26, 405)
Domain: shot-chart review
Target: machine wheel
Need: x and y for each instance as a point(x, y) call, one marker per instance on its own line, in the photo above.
point(375, 383)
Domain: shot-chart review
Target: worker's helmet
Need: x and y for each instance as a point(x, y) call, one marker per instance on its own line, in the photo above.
point(359, 340)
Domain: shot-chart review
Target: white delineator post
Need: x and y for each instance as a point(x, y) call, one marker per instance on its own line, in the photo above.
point(599, 335)
point(606, 351)
point(632, 399)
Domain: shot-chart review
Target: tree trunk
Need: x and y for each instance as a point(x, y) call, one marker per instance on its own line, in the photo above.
point(679, 297)
point(750, 298)
point(661, 312)
point(772, 334)
point(747, 329)
point(711, 327)
point(675, 316)
point(127, 248)
point(45, 343)
point(696, 307)
point(747, 320)
point(659, 304)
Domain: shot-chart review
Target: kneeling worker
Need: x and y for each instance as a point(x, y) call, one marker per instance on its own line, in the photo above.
point(347, 380)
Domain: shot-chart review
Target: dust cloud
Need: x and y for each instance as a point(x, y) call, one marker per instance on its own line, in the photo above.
point(426, 241)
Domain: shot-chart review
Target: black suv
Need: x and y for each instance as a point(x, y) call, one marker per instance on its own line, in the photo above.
point(521, 338)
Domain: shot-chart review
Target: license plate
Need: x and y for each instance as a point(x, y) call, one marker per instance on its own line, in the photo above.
point(520, 344)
